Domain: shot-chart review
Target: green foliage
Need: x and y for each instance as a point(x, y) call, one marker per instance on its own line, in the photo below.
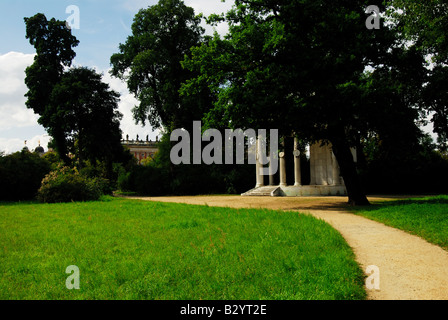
point(436, 96)
point(397, 170)
point(144, 180)
point(98, 172)
point(78, 110)
point(54, 45)
point(21, 174)
point(424, 23)
point(295, 66)
point(150, 62)
point(53, 158)
point(67, 184)
point(86, 109)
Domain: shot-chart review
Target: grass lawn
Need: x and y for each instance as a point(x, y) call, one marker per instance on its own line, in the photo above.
point(425, 217)
point(129, 249)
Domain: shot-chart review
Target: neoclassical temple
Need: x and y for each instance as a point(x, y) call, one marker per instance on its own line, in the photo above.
point(324, 174)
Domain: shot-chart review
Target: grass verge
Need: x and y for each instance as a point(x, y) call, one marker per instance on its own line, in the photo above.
point(425, 217)
point(128, 249)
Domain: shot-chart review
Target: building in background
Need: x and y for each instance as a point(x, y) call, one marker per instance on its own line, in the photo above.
point(140, 149)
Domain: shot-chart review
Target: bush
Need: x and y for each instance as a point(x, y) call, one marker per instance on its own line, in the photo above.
point(98, 174)
point(144, 180)
point(66, 184)
point(21, 174)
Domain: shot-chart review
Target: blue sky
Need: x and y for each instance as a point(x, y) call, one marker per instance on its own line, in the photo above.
point(104, 24)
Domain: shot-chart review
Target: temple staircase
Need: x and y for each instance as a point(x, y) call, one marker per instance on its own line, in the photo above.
point(268, 191)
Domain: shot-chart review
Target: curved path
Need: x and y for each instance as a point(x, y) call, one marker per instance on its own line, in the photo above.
point(410, 268)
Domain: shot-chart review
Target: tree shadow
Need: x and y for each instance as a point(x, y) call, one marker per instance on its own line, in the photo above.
point(390, 201)
point(17, 203)
point(442, 199)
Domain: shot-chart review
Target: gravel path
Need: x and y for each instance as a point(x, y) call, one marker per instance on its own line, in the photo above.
point(409, 267)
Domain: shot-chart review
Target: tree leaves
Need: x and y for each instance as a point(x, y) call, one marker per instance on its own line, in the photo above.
point(150, 62)
point(76, 108)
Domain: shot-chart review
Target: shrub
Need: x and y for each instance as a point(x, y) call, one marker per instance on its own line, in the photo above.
point(144, 180)
point(98, 174)
point(67, 184)
point(21, 174)
point(124, 181)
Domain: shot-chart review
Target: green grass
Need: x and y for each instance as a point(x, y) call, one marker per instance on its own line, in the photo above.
point(136, 250)
point(425, 217)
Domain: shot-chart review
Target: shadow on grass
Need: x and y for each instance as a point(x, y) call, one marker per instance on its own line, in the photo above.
point(390, 201)
point(442, 199)
point(104, 198)
point(16, 203)
point(323, 206)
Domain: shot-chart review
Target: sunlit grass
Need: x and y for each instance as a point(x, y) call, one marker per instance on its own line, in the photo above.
point(129, 249)
point(426, 217)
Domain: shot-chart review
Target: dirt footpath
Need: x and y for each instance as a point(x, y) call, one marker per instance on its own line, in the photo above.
point(410, 268)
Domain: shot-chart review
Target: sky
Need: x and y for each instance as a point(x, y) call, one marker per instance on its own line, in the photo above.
point(103, 25)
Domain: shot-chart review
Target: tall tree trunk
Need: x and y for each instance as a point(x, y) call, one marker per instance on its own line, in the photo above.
point(61, 146)
point(342, 152)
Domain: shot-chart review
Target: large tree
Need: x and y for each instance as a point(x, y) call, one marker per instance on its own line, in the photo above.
point(436, 97)
point(300, 66)
point(86, 111)
point(77, 109)
point(150, 62)
point(424, 23)
point(54, 45)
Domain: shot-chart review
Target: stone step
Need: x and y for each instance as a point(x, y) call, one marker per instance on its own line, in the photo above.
point(260, 192)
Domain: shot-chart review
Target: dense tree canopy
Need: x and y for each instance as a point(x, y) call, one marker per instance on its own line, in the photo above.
point(85, 109)
point(54, 45)
point(77, 109)
point(424, 23)
point(150, 63)
point(313, 69)
point(291, 65)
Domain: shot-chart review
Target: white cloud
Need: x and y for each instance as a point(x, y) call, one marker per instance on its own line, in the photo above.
point(11, 145)
point(15, 144)
point(125, 106)
point(13, 112)
point(17, 122)
point(207, 7)
point(135, 5)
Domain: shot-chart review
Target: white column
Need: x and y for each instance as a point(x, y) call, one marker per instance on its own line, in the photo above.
point(297, 172)
point(282, 169)
point(259, 166)
point(313, 155)
point(271, 169)
point(336, 171)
